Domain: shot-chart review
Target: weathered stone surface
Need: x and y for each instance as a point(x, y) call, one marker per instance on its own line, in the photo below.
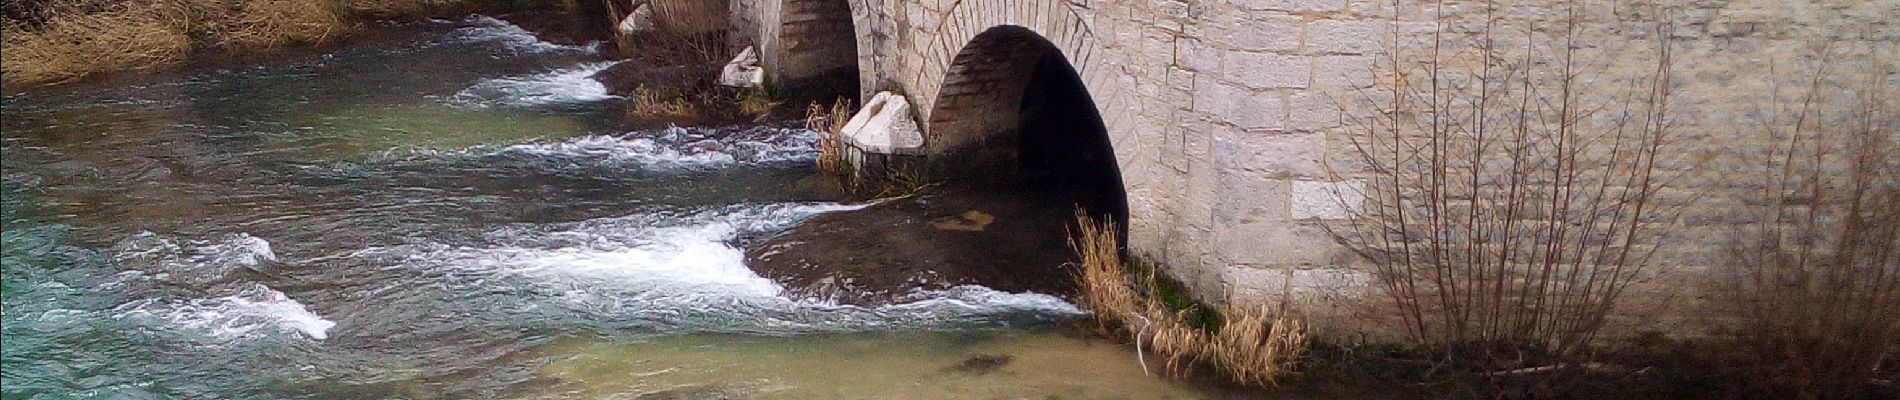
point(884, 126)
point(638, 21)
point(1238, 106)
point(1206, 102)
point(743, 71)
point(1327, 200)
point(1349, 37)
point(1294, 154)
point(1266, 70)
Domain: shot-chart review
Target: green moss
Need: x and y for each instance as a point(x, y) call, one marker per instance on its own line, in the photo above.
point(1174, 294)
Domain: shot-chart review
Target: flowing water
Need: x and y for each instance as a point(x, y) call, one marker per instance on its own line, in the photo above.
point(449, 211)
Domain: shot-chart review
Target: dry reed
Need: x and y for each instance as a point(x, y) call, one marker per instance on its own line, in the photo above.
point(829, 123)
point(1255, 346)
point(653, 104)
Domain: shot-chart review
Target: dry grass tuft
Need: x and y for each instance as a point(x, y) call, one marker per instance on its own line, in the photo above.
point(829, 123)
point(757, 104)
point(76, 41)
point(272, 23)
point(394, 8)
point(65, 40)
point(1255, 346)
point(654, 104)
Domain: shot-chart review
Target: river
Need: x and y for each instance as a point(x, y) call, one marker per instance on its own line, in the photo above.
point(451, 209)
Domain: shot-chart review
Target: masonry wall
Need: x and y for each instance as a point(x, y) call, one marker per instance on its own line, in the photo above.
point(1226, 115)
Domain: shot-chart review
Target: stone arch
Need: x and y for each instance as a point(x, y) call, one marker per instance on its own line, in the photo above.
point(1011, 101)
point(816, 48)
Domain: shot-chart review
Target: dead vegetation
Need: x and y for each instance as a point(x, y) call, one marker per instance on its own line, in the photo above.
point(1813, 281)
point(687, 39)
point(1256, 346)
point(652, 104)
point(58, 41)
point(829, 123)
point(1506, 214)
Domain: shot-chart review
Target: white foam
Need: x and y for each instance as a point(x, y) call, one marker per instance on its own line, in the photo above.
point(574, 85)
point(685, 268)
point(248, 311)
point(510, 36)
point(678, 148)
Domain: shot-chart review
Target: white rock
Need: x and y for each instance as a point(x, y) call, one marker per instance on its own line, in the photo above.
point(640, 20)
point(885, 126)
point(744, 70)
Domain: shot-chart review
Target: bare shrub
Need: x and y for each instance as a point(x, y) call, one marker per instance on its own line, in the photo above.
point(1505, 214)
point(1254, 346)
point(679, 35)
point(1814, 284)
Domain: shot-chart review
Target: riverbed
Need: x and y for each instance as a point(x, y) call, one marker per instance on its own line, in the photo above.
point(452, 209)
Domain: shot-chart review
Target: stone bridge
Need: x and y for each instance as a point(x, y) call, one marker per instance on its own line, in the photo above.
point(1212, 110)
point(1222, 115)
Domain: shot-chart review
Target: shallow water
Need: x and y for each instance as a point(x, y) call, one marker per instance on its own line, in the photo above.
point(451, 211)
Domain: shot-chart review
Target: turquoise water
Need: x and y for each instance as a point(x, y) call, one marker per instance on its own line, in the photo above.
point(451, 209)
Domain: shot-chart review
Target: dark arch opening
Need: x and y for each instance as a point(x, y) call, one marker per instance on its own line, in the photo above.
point(1013, 105)
point(818, 50)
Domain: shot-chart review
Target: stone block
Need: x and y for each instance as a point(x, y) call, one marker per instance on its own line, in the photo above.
point(1352, 37)
point(1293, 5)
point(1266, 70)
point(1312, 110)
point(1277, 243)
point(1195, 55)
point(1343, 72)
point(1238, 106)
point(1256, 31)
point(1326, 200)
point(1249, 197)
point(1295, 154)
point(1270, 285)
point(884, 126)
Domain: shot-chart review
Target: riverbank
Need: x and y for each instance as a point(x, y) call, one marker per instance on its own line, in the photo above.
point(59, 41)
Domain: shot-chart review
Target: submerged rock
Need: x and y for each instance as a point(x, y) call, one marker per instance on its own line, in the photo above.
point(692, 393)
point(1008, 235)
point(980, 365)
